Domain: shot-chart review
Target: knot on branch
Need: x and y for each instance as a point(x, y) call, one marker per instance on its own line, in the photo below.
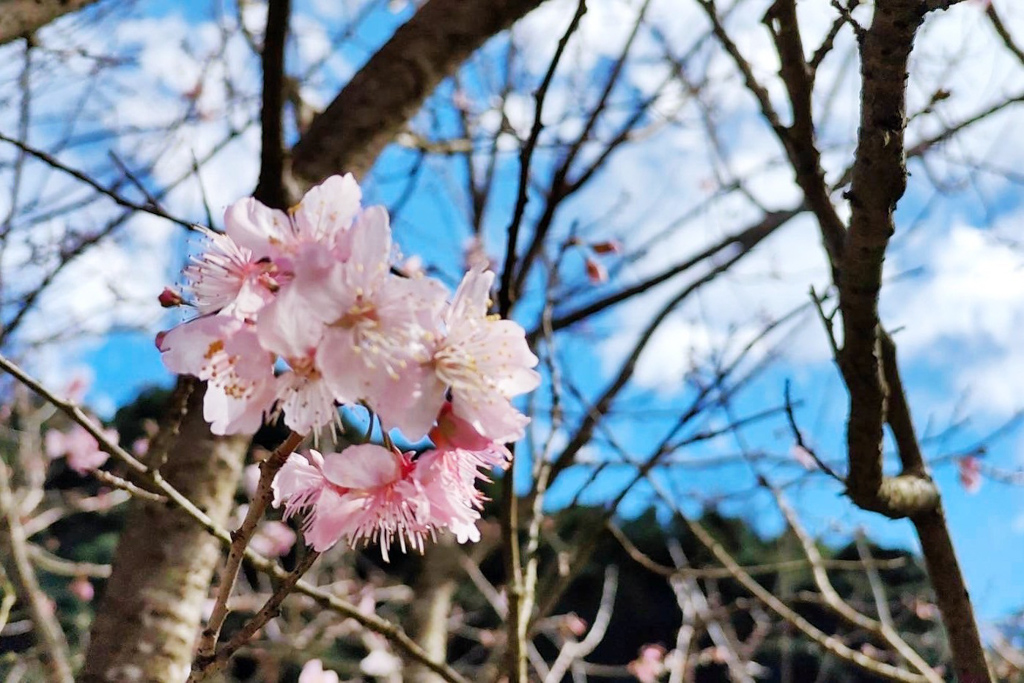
point(900, 497)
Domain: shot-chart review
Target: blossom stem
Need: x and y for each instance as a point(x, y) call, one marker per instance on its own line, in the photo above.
point(239, 540)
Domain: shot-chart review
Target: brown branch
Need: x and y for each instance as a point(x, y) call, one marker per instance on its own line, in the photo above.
point(272, 187)
point(375, 105)
point(649, 564)
point(1003, 33)
point(833, 600)
point(21, 17)
point(828, 643)
point(878, 181)
point(867, 360)
point(120, 200)
point(206, 665)
point(799, 138)
point(521, 594)
point(52, 564)
point(559, 188)
point(239, 540)
point(505, 294)
point(746, 240)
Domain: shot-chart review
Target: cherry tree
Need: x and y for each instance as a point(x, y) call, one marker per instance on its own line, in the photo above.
point(459, 268)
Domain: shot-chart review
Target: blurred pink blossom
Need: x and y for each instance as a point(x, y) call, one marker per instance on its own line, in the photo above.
point(970, 473)
point(313, 672)
point(649, 666)
point(82, 589)
point(273, 539)
point(78, 446)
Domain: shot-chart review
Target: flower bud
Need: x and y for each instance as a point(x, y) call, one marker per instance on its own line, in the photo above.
point(607, 247)
point(596, 272)
point(170, 298)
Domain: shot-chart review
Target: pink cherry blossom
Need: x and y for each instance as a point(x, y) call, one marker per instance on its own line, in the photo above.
point(366, 493)
point(225, 352)
point(452, 433)
point(448, 482)
point(79, 447)
point(229, 277)
point(304, 396)
point(378, 325)
point(301, 311)
point(485, 362)
point(323, 214)
point(449, 475)
point(78, 385)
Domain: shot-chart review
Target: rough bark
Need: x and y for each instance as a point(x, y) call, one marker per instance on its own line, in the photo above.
point(351, 133)
point(22, 17)
point(148, 618)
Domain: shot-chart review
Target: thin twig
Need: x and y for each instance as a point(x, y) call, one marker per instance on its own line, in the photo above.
point(239, 540)
point(573, 651)
point(52, 161)
point(206, 666)
point(48, 631)
point(505, 294)
point(647, 563)
point(800, 439)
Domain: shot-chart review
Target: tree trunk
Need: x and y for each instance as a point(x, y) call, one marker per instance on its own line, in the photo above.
point(147, 621)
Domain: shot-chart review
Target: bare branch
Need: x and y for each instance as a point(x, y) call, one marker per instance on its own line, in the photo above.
point(375, 105)
point(47, 628)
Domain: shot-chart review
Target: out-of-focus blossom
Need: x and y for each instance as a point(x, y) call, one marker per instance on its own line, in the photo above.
point(250, 480)
point(79, 447)
point(596, 272)
point(574, 624)
point(380, 664)
point(140, 447)
point(78, 385)
point(82, 589)
point(969, 469)
point(313, 672)
point(649, 666)
point(803, 456)
point(273, 539)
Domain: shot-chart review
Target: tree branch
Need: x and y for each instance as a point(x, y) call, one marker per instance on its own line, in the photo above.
point(22, 17)
point(375, 105)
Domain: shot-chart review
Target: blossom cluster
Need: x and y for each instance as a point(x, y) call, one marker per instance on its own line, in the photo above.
point(301, 311)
